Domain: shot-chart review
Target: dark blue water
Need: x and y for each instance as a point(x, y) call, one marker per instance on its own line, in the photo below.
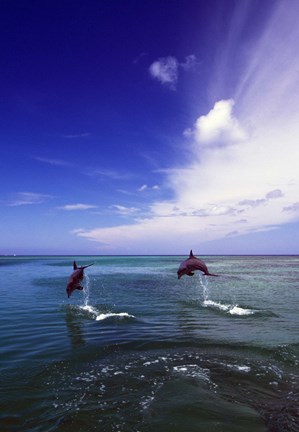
point(140, 350)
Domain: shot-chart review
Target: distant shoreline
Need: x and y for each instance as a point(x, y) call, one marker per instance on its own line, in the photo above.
point(143, 255)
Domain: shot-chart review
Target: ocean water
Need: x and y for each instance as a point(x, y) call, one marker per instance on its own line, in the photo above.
point(140, 350)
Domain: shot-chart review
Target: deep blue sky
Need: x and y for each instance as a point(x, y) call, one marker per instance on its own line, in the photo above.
point(149, 127)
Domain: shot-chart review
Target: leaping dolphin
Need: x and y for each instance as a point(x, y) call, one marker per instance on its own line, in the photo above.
point(75, 279)
point(188, 266)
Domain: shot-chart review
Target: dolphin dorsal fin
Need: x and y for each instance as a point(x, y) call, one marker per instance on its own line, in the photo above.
point(191, 254)
point(75, 265)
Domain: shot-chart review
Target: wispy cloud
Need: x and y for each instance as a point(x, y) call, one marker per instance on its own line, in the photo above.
point(145, 187)
point(54, 162)
point(140, 57)
point(75, 136)
point(108, 174)
point(125, 192)
point(166, 69)
point(78, 206)
point(28, 198)
point(276, 193)
point(292, 208)
point(189, 63)
point(125, 211)
point(142, 188)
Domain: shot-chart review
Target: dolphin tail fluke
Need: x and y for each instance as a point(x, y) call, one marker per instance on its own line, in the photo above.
point(75, 265)
point(191, 254)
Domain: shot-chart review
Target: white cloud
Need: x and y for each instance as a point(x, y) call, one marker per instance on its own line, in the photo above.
point(165, 70)
point(219, 126)
point(72, 207)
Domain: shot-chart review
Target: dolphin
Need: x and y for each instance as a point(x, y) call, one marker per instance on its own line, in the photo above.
point(188, 266)
point(75, 279)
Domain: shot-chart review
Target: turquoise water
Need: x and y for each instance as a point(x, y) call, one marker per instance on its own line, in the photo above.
point(140, 350)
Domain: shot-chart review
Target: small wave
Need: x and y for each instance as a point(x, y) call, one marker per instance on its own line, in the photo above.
point(230, 309)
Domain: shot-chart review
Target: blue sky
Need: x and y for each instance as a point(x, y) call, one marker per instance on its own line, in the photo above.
point(148, 127)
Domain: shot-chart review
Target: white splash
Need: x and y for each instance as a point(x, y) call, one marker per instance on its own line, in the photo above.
point(103, 316)
point(236, 367)
point(86, 290)
point(244, 368)
point(216, 305)
point(89, 309)
point(228, 308)
point(98, 316)
point(95, 313)
point(205, 286)
point(232, 309)
point(236, 310)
